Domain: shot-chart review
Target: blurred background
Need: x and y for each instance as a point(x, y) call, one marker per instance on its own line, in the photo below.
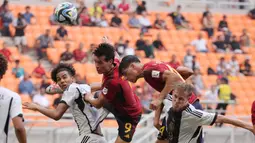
point(213, 37)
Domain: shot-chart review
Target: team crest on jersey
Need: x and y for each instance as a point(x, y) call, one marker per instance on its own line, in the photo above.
point(155, 74)
point(105, 90)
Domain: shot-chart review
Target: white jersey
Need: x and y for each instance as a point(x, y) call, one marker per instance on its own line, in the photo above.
point(185, 126)
point(86, 117)
point(10, 107)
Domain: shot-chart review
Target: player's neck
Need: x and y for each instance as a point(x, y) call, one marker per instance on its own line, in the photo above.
point(110, 71)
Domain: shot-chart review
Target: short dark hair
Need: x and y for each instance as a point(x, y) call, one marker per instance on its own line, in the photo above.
point(3, 65)
point(62, 67)
point(27, 7)
point(126, 61)
point(105, 49)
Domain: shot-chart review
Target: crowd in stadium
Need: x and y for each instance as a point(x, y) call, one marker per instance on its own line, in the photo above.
point(227, 42)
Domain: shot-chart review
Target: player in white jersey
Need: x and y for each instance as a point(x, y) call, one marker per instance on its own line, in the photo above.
point(184, 122)
point(86, 117)
point(10, 109)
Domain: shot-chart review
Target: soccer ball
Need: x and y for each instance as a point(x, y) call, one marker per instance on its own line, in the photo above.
point(66, 13)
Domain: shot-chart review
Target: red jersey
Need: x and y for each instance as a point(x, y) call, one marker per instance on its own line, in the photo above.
point(6, 53)
point(153, 75)
point(123, 7)
point(79, 55)
point(253, 113)
point(40, 71)
point(120, 95)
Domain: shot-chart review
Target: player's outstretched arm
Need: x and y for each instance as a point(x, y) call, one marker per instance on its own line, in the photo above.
point(184, 72)
point(55, 114)
point(171, 80)
point(235, 122)
point(19, 129)
point(96, 102)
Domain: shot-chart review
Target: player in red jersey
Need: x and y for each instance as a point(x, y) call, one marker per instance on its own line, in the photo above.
point(253, 116)
point(161, 77)
point(117, 95)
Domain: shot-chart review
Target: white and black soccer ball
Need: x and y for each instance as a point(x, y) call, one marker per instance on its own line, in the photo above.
point(66, 13)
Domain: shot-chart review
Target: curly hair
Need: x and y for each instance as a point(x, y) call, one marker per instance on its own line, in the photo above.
point(105, 49)
point(62, 67)
point(3, 65)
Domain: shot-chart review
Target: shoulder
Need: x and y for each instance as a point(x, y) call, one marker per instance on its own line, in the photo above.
point(72, 87)
point(191, 110)
point(10, 93)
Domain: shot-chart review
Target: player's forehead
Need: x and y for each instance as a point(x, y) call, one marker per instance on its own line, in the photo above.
point(99, 59)
point(179, 92)
point(62, 74)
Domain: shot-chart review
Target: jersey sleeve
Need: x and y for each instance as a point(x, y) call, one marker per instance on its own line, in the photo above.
point(199, 118)
point(154, 73)
point(253, 113)
point(69, 96)
point(110, 89)
point(16, 107)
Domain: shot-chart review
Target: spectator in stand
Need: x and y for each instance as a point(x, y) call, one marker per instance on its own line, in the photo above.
point(141, 8)
point(7, 18)
point(140, 43)
point(200, 44)
point(179, 20)
point(174, 63)
point(61, 34)
point(197, 77)
point(123, 7)
point(207, 10)
point(133, 21)
point(116, 20)
point(146, 97)
point(81, 7)
point(211, 95)
point(219, 45)
point(223, 23)
point(194, 64)
point(129, 50)
point(160, 23)
point(224, 94)
point(233, 66)
point(79, 55)
point(235, 45)
point(67, 56)
point(103, 22)
point(187, 61)
point(39, 71)
point(2, 7)
point(95, 19)
point(227, 35)
point(28, 15)
point(246, 67)
point(44, 83)
point(245, 39)
point(148, 49)
point(40, 98)
point(26, 86)
point(6, 52)
point(20, 38)
point(144, 21)
point(96, 9)
point(158, 43)
point(120, 46)
point(84, 18)
point(45, 41)
point(90, 52)
point(102, 4)
point(18, 71)
point(251, 14)
point(222, 67)
point(110, 7)
point(208, 25)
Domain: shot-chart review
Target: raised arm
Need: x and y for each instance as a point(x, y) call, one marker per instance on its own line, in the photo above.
point(55, 114)
point(235, 122)
point(171, 80)
point(96, 102)
point(184, 72)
